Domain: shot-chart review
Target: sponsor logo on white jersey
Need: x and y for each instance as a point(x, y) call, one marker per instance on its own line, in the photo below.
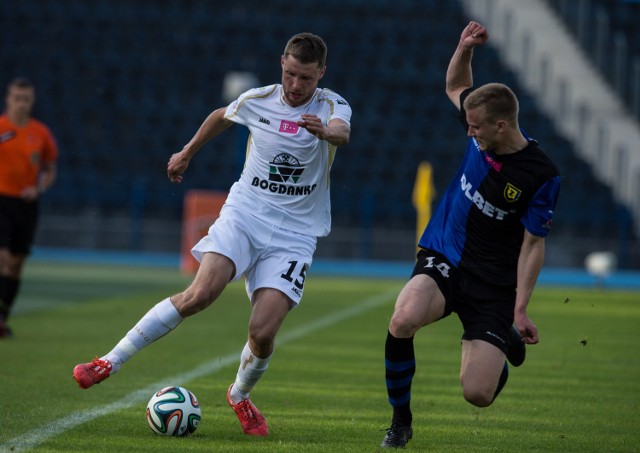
point(284, 174)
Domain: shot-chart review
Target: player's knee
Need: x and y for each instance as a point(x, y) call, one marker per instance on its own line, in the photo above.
point(261, 342)
point(478, 397)
point(261, 334)
point(402, 325)
point(11, 265)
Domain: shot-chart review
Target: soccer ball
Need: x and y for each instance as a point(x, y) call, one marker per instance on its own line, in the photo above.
point(173, 411)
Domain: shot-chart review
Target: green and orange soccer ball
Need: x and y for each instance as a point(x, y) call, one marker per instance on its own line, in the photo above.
point(173, 411)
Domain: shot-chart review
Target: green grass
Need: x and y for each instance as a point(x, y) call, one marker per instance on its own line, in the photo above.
point(579, 390)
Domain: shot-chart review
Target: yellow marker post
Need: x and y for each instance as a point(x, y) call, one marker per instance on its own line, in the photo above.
point(423, 194)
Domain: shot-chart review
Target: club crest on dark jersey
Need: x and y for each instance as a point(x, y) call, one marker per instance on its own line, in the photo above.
point(511, 193)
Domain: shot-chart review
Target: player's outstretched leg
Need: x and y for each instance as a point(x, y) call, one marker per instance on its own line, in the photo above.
point(252, 421)
point(156, 323)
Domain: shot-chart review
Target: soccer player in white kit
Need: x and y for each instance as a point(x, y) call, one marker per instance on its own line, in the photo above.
point(268, 227)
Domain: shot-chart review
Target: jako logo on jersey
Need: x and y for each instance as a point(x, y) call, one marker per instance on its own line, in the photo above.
point(511, 193)
point(289, 127)
point(264, 120)
point(476, 198)
point(284, 169)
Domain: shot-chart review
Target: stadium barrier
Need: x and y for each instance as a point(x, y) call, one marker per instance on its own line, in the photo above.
point(201, 209)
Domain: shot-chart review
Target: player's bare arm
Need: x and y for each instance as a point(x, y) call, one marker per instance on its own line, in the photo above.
point(529, 266)
point(459, 74)
point(213, 125)
point(337, 132)
point(47, 177)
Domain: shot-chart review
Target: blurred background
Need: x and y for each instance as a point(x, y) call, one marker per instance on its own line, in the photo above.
point(124, 84)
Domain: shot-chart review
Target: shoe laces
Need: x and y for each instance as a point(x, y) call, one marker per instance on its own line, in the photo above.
point(394, 429)
point(247, 411)
point(100, 366)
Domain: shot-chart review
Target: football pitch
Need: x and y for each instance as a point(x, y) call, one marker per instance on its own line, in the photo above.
point(578, 391)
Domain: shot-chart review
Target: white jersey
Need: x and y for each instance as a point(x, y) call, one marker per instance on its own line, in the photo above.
point(285, 180)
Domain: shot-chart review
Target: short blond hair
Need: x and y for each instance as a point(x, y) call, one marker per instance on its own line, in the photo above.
point(499, 101)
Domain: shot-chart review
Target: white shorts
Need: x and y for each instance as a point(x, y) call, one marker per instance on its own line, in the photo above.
point(268, 256)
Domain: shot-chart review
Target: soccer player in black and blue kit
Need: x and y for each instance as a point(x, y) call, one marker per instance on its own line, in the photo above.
point(482, 251)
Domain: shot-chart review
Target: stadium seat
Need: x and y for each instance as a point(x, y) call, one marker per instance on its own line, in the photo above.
point(141, 79)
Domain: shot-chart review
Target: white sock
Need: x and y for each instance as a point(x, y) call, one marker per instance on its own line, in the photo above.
point(157, 322)
point(249, 373)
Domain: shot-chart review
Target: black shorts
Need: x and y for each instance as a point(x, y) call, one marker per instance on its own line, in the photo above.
point(486, 311)
point(18, 221)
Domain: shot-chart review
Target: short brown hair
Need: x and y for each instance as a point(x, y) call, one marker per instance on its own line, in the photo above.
point(307, 48)
point(499, 101)
point(20, 82)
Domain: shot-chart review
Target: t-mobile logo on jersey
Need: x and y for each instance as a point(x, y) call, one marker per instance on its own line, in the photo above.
point(289, 127)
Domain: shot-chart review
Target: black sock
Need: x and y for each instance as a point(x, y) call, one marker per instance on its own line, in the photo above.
point(8, 291)
point(400, 366)
point(503, 380)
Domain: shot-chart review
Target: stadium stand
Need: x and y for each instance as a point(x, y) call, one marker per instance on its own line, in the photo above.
point(608, 32)
point(124, 84)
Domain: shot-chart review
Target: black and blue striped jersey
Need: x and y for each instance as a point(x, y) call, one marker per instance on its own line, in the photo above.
point(479, 223)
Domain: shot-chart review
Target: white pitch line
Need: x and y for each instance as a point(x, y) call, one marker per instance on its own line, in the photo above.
point(43, 433)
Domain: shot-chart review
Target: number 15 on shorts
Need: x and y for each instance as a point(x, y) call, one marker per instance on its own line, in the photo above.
point(296, 274)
